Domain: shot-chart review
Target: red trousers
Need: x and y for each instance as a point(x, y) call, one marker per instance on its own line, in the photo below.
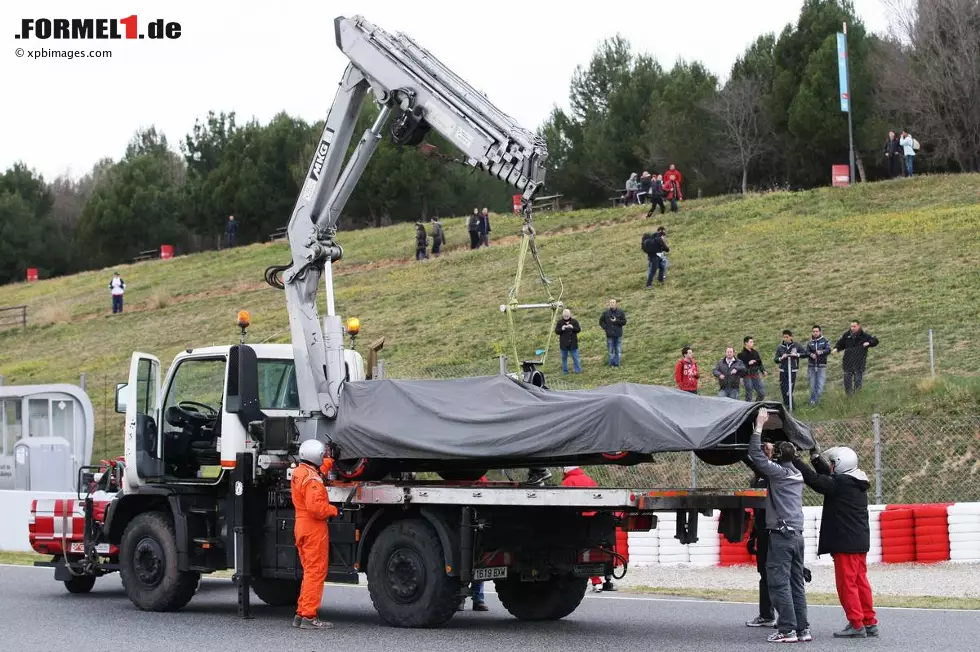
point(853, 589)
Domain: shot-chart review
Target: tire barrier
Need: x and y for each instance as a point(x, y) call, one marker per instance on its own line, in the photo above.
point(900, 534)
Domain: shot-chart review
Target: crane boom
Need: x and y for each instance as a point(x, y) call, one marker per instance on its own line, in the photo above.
point(416, 94)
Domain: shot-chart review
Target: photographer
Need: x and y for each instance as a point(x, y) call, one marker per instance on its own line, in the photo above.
point(784, 521)
point(845, 532)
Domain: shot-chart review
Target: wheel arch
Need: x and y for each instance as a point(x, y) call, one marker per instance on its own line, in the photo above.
point(384, 517)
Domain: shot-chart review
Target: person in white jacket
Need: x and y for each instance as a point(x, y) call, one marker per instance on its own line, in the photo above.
point(116, 287)
point(908, 146)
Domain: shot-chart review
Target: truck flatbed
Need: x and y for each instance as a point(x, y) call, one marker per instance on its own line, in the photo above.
point(512, 494)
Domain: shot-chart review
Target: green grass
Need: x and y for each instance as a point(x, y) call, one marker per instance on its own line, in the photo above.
point(903, 256)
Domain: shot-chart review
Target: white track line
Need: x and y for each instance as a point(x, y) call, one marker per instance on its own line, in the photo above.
point(637, 598)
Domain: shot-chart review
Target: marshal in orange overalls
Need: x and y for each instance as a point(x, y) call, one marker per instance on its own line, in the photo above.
point(313, 508)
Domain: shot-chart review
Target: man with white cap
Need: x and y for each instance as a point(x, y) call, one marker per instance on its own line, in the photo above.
point(845, 532)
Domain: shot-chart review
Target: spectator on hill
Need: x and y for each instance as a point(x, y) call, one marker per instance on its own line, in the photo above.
point(788, 356)
point(855, 344)
point(894, 157)
point(754, 370)
point(686, 373)
point(117, 287)
point(657, 195)
point(909, 145)
point(485, 227)
point(674, 176)
point(657, 250)
point(673, 193)
point(438, 236)
point(567, 330)
point(632, 186)
point(231, 229)
point(729, 371)
point(817, 350)
point(473, 226)
point(644, 190)
point(612, 321)
point(421, 241)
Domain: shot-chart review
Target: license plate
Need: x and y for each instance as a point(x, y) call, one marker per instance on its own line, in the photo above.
point(492, 573)
point(588, 570)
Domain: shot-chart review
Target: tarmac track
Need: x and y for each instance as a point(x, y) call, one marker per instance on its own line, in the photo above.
point(37, 613)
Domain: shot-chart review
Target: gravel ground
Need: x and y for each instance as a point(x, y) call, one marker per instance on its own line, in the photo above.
point(945, 580)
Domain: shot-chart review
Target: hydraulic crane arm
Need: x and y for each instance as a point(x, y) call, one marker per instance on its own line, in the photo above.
point(416, 93)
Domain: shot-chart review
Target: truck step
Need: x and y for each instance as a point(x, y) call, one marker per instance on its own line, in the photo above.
point(206, 511)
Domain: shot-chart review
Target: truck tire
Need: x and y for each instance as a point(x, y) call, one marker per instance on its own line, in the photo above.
point(276, 592)
point(80, 583)
point(551, 600)
point(148, 565)
point(407, 576)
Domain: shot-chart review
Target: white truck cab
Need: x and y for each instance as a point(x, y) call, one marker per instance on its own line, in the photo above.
point(182, 431)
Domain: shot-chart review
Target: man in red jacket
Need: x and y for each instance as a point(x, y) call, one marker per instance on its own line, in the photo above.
point(576, 477)
point(686, 372)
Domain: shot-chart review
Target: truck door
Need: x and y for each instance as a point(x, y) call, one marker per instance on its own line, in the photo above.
point(139, 400)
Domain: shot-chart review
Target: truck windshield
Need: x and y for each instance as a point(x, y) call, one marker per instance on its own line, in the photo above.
point(277, 385)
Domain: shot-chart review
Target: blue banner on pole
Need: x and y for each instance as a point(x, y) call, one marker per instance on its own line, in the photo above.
point(845, 96)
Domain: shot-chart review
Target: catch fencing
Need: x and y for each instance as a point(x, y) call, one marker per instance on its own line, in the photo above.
point(907, 459)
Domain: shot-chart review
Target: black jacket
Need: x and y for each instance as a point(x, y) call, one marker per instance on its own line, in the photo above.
point(746, 356)
point(794, 362)
point(844, 521)
point(612, 321)
point(568, 337)
point(855, 353)
point(821, 347)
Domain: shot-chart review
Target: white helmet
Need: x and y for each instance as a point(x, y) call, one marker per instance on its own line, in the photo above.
point(312, 451)
point(843, 458)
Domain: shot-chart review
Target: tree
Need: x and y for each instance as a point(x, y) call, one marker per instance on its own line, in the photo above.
point(930, 79)
point(136, 204)
point(741, 114)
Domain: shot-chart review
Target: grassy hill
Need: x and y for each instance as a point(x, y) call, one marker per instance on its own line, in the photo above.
point(902, 256)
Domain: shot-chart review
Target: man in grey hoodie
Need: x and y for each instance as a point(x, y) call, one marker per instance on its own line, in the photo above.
point(784, 520)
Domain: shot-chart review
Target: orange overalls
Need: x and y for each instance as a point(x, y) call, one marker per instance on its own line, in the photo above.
point(312, 540)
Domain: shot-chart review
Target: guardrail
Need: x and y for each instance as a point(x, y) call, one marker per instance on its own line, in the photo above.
point(13, 316)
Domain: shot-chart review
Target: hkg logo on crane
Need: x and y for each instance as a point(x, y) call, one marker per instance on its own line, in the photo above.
point(96, 28)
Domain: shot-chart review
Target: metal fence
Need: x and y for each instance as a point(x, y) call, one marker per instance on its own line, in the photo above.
point(907, 459)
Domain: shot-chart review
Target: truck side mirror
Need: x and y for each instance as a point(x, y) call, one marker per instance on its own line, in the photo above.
point(243, 385)
point(121, 397)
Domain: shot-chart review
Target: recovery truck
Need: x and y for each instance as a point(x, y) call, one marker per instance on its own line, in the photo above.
point(203, 485)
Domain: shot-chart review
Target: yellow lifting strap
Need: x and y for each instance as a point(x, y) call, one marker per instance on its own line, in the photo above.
point(527, 244)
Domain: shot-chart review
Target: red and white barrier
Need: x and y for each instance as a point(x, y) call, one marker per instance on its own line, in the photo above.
point(921, 533)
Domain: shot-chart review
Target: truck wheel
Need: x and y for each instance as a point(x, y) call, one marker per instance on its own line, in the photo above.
point(407, 576)
point(275, 592)
point(551, 600)
point(462, 476)
point(80, 583)
point(363, 469)
point(148, 565)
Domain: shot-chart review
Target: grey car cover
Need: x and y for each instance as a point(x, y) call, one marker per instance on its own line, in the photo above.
point(499, 417)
